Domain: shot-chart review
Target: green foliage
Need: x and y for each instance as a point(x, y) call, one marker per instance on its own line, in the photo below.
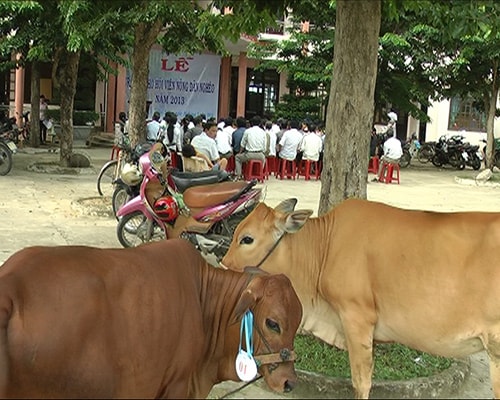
point(392, 361)
point(299, 107)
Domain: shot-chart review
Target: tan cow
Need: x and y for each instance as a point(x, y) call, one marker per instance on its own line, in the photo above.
point(370, 272)
point(153, 321)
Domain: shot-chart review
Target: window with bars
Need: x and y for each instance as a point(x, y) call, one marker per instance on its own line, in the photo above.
point(465, 116)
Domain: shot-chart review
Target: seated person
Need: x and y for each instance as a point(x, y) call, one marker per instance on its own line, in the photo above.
point(201, 161)
point(392, 153)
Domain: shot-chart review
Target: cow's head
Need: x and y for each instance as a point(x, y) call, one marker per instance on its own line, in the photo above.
point(277, 315)
point(258, 234)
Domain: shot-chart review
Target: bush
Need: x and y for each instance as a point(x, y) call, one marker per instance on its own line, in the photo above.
point(79, 117)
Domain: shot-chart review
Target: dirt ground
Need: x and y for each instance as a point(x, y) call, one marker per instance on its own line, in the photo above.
point(47, 209)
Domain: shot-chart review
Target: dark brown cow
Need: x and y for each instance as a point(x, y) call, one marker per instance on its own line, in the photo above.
point(153, 321)
point(370, 272)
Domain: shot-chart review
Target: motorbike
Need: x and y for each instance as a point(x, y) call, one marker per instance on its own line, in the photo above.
point(177, 205)
point(7, 149)
point(473, 156)
point(410, 150)
point(450, 151)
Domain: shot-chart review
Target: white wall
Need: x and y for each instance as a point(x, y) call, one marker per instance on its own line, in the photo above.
point(439, 113)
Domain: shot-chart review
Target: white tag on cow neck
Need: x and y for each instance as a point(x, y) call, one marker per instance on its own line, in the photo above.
point(246, 367)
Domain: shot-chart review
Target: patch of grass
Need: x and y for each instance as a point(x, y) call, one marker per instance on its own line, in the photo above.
point(392, 361)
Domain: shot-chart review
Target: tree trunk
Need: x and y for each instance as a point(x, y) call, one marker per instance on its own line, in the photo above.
point(145, 37)
point(66, 73)
point(350, 109)
point(491, 107)
point(35, 105)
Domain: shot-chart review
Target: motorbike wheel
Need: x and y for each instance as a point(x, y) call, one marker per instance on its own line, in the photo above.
point(497, 159)
point(457, 161)
point(475, 163)
point(120, 197)
point(5, 159)
point(106, 178)
point(425, 154)
point(135, 229)
point(405, 159)
point(436, 160)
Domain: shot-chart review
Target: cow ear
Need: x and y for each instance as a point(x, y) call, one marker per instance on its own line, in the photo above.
point(249, 297)
point(286, 206)
point(293, 221)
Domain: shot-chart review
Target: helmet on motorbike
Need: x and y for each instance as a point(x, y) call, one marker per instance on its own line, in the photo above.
point(166, 208)
point(130, 174)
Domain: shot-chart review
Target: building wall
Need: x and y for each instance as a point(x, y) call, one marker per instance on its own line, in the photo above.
point(439, 113)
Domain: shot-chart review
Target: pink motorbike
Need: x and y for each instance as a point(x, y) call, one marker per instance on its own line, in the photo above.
point(174, 204)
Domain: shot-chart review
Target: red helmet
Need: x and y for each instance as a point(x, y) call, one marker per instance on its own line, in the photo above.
point(166, 208)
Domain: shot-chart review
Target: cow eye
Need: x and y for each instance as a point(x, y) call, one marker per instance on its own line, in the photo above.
point(246, 240)
point(273, 325)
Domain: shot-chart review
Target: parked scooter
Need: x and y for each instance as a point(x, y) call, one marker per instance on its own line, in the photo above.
point(206, 215)
point(450, 151)
point(7, 148)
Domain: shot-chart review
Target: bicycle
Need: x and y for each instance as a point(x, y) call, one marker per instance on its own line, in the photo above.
point(110, 171)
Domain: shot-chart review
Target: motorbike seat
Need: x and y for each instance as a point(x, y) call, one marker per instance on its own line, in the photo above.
point(211, 195)
point(185, 180)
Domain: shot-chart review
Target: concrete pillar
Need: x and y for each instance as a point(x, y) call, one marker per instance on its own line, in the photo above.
point(242, 84)
point(224, 87)
point(19, 94)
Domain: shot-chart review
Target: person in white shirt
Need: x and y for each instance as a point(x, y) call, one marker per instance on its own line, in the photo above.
point(205, 143)
point(153, 128)
point(392, 153)
point(271, 139)
point(290, 141)
point(253, 146)
point(171, 131)
point(311, 145)
point(224, 138)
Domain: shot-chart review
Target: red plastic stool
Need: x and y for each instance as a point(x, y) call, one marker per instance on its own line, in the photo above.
point(373, 165)
point(287, 169)
point(230, 164)
point(387, 173)
point(254, 169)
point(304, 169)
point(174, 159)
point(271, 166)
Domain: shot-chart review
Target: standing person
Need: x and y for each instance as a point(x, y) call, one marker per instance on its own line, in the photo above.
point(253, 146)
point(391, 126)
point(171, 131)
point(241, 127)
point(153, 128)
point(290, 141)
point(224, 138)
point(205, 143)
point(43, 119)
point(194, 131)
point(392, 153)
point(271, 139)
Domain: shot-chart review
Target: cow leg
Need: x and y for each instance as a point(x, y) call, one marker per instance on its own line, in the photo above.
point(493, 349)
point(359, 337)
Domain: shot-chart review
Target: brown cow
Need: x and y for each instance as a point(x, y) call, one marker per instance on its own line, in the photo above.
point(370, 272)
point(153, 321)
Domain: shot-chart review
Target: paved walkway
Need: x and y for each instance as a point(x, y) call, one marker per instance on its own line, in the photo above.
point(42, 209)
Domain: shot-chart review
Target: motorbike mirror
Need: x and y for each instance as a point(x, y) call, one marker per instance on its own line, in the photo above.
point(157, 160)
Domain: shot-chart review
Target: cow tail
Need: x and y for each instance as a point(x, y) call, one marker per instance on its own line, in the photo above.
point(5, 314)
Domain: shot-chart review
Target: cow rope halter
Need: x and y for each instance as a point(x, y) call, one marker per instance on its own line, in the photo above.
point(283, 355)
point(270, 250)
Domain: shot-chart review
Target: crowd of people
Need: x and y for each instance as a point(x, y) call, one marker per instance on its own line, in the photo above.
point(217, 141)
